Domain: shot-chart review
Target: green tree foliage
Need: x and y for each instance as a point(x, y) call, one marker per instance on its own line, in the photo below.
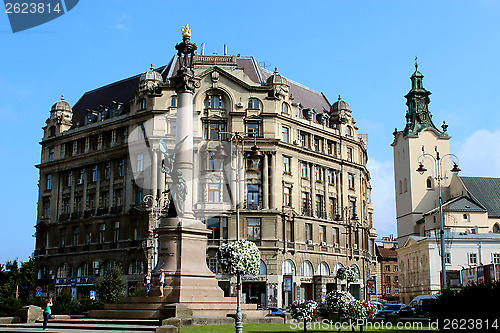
point(17, 275)
point(65, 304)
point(110, 287)
point(475, 301)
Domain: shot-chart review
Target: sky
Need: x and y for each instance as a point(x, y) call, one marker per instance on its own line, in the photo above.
point(363, 50)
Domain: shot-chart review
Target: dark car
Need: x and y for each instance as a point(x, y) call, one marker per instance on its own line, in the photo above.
point(388, 309)
point(418, 307)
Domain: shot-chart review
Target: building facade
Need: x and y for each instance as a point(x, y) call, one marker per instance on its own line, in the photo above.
point(469, 204)
point(305, 203)
point(387, 281)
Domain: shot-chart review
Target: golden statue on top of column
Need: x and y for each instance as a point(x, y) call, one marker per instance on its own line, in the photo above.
point(186, 32)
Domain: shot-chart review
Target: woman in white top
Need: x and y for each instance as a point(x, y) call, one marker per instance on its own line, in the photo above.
point(162, 282)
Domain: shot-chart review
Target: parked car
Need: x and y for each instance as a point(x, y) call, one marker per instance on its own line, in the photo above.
point(380, 306)
point(418, 307)
point(389, 309)
point(275, 311)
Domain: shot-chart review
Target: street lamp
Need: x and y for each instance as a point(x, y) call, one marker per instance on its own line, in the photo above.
point(220, 154)
point(158, 205)
point(438, 166)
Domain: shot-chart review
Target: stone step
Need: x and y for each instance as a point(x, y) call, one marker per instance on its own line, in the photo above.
point(125, 314)
point(225, 312)
point(194, 306)
point(85, 321)
point(59, 327)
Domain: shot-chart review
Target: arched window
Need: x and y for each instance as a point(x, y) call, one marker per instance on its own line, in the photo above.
point(52, 131)
point(63, 271)
point(285, 108)
point(356, 269)
point(288, 267)
point(107, 267)
point(306, 269)
point(323, 269)
point(429, 182)
point(262, 268)
point(349, 131)
point(336, 268)
point(400, 187)
point(466, 217)
point(405, 186)
point(496, 228)
point(135, 267)
point(214, 102)
point(173, 101)
point(253, 103)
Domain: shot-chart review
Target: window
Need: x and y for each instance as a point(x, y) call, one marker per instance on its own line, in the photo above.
point(253, 197)
point(85, 269)
point(320, 204)
point(142, 105)
point(286, 165)
point(78, 203)
point(352, 208)
point(428, 183)
point(118, 197)
point(214, 102)
point(173, 101)
point(336, 235)
point(318, 174)
point(51, 154)
point(472, 258)
point(333, 207)
point(323, 269)
point(121, 168)
point(288, 267)
point(286, 196)
point(387, 268)
point(322, 233)
point(302, 139)
point(405, 186)
point(396, 268)
point(387, 289)
point(466, 217)
point(91, 201)
point(387, 279)
point(104, 199)
point(262, 268)
point(303, 169)
point(213, 192)
point(46, 208)
point(400, 187)
point(331, 177)
point(213, 224)
point(116, 232)
point(306, 269)
point(317, 145)
point(94, 173)
point(213, 163)
point(66, 203)
point(224, 227)
point(135, 267)
point(351, 181)
point(81, 176)
point(289, 231)
point(253, 228)
point(305, 203)
point(107, 170)
point(253, 129)
point(76, 233)
point(172, 126)
point(349, 154)
point(102, 229)
point(285, 108)
point(447, 258)
point(140, 162)
point(88, 238)
point(138, 195)
point(309, 234)
point(212, 264)
point(253, 103)
point(349, 131)
point(212, 130)
point(496, 258)
point(396, 279)
point(285, 134)
point(49, 182)
point(329, 148)
point(136, 230)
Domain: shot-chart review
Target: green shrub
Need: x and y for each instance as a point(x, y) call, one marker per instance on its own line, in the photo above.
point(36, 300)
point(9, 306)
point(110, 287)
point(65, 304)
point(86, 304)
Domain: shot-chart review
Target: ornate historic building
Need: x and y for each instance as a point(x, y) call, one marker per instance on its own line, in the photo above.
point(305, 203)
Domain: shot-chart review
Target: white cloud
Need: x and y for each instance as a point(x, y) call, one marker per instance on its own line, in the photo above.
point(479, 154)
point(382, 181)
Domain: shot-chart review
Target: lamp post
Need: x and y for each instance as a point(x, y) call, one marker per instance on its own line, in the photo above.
point(158, 205)
point(345, 215)
point(438, 165)
point(237, 138)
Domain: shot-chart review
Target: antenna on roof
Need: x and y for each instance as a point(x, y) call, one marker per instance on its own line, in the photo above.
point(264, 64)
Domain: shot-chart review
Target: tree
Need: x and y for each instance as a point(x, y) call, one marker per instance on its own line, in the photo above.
point(110, 287)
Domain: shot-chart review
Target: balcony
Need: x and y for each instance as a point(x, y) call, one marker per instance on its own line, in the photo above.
point(102, 211)
point(254, 206)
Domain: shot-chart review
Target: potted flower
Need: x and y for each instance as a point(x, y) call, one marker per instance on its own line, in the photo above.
point(305, 310)
point(239, 257)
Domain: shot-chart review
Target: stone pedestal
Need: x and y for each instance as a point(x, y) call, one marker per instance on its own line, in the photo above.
point(182, 256)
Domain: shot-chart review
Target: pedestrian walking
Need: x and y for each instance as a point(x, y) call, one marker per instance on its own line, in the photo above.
point(147, 283)
point(47, 303)
point(162, 281)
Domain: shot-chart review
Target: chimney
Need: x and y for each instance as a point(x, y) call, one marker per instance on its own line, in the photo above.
point(202, 48)
point(225, 49)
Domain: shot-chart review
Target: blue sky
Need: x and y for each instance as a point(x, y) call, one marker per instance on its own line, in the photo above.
point(363, 50)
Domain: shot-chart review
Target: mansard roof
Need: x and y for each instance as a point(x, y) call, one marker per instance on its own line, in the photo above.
point(123, 91)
